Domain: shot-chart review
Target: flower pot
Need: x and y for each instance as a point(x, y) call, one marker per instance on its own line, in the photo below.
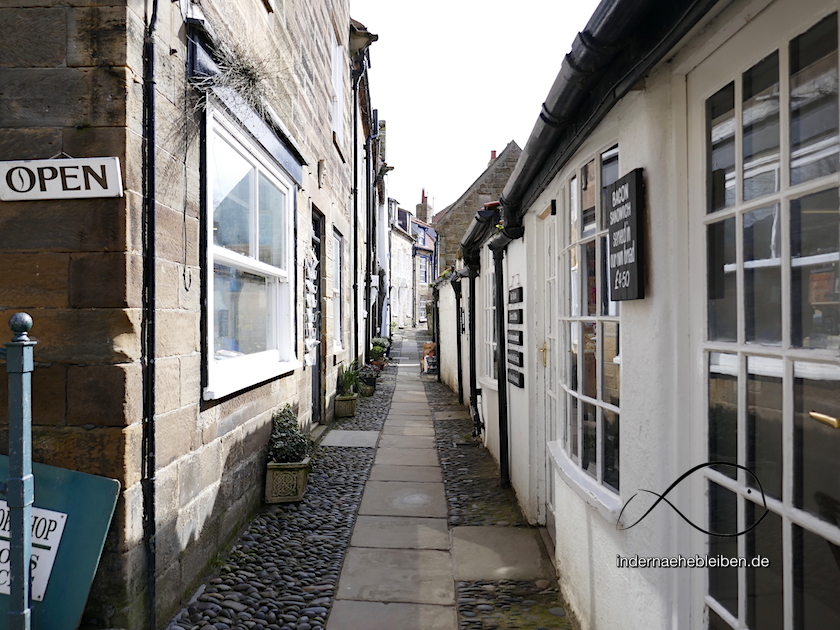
point(345, 405)
point(286, 482)
point(369, 380)
point(379, 364)
point(365, 389)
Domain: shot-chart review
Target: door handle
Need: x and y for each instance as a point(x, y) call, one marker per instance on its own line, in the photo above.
point(831, 421)
point(544, 350)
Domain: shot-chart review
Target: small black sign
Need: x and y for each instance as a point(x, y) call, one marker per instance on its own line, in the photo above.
point(515, 295)
point(515, 357)
point(624, 203)
point(515, 316)
point(517, 378)
point(514, 337)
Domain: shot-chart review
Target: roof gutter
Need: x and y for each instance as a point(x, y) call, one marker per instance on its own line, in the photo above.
point(479, 230)
point(621, 43)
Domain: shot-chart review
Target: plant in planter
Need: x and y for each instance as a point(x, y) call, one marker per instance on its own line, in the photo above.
point(384, 343)
point(346, 396)
point(367, 380)
point(288, 458)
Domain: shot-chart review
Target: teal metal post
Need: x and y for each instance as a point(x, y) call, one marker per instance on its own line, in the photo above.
point(20, 489)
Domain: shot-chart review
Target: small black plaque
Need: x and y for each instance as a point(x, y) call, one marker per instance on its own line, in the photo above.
point(517, 378)
point(515, 295)
point(514, 337)
point(515, 357)
point(515, 316)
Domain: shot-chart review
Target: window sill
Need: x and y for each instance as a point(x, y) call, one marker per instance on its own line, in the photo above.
point(607, 503)
point(488, 383)
point(229, 377)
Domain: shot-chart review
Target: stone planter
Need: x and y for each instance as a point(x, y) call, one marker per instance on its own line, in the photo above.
point(365, 389)
point(345, 406)
point(286, 482)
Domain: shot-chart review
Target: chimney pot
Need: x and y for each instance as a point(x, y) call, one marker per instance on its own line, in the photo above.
point(492, 155)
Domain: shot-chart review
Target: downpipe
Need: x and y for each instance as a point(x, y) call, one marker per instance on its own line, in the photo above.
point(501, 376)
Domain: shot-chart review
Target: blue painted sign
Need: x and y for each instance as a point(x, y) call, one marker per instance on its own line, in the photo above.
point(70, 520)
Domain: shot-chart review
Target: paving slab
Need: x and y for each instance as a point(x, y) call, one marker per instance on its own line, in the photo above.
point(455, 414)
point(409, 408)
point(425, 474)
point(404, 498)
point(405, 395)
point(418, 421)
point(407, 441)
point(499, 553)
point(351, 438)
point(353, 615)
point(420, 576)
point(399, 532)
point(406, 456)
point(408, 429)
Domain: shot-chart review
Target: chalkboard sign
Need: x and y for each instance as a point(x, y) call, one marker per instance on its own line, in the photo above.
point(514, 337)
point(515, 295)
point(516, 378)
point(515, 316)
point(515, 357)
point(624, 203)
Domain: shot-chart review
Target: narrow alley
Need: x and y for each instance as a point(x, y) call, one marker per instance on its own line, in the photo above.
point(403, 525)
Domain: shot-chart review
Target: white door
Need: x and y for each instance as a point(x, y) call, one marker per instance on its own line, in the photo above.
point(765, 251)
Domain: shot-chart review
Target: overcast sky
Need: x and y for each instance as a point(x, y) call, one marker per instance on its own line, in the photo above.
point(456, 79)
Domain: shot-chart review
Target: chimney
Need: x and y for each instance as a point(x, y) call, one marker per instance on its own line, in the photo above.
point(492, 158)
point(422, 209)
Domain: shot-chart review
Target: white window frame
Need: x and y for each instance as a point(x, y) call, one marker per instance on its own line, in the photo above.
point(338, 290)
point(230, 375)
point(572, 316)
point(489, 319)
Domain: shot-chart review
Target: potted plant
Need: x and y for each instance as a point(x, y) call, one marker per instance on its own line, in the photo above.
point(367, 380)
point(377, 357)
point(288, 458)
point(346, 397)
point(384, 343)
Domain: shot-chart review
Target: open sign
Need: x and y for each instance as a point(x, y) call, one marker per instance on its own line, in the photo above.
point(72, 178)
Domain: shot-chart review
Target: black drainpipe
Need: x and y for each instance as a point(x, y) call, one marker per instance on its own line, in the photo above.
point(436, 315)
point(356, 78)
point(501, 376)
point(456, 286)
point(149, 307)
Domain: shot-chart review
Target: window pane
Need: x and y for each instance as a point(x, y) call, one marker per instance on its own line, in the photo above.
point(608, 307)
point(587, 197)
point(232, 179)
point(240, 304)
point(716, 622)
point(609, 175)
point(610, 449)
point(272, 224)
point(765, 585)
point(761, 128)
point(589, 455)
point(590, 295)
point(721, 281)
point(813, 102)
point(574, 352)
point(815, 236)
point(763, 276)
point(816, 446)
point(590, 360)
point(816, 567)
point(723, 519)
point(764, 423)
point(574, 281)
point(720, 122)
point(574, 211)
point(574, 425)
point(611, 369)
point(723, 410)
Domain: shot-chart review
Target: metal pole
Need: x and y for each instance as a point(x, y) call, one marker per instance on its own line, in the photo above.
point(20, 491)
